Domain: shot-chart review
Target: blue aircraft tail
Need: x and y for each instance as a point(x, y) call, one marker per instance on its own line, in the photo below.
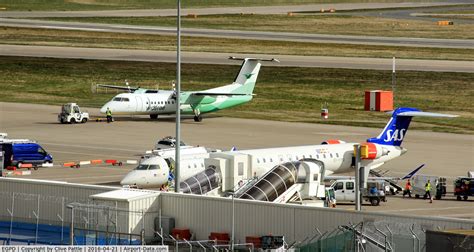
point(412, 173)
point(397, 127)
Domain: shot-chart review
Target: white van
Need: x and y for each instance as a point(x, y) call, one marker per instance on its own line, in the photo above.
point(344, 189)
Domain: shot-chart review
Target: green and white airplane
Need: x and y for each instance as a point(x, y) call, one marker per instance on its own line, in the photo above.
point(139, 101)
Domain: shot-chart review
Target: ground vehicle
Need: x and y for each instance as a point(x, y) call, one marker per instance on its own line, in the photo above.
point(344, 189)
point(71, 113)
point(24, 152)
point(167, 142)
point(463, 187)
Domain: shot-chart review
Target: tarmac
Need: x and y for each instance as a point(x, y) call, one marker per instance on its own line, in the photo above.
point(445, 154)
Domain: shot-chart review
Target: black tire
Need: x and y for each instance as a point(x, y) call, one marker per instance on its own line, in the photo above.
point(73, 120)
point(198, 118)
point(153, 117)
point(417, 196)
point(62, 121)
point(458, 197)
point(35, 168)
point(84, 120)
point(438, 197)
point(375, 201)
point(465, 197)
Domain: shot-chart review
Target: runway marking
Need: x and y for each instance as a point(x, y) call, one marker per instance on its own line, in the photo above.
point(425, 209)
point(71, 28)
point(89, 147)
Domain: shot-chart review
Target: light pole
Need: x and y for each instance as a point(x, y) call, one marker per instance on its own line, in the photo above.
point(357, 176)
point(177, 95)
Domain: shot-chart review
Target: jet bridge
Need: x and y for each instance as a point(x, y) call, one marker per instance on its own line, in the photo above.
point(202, 182)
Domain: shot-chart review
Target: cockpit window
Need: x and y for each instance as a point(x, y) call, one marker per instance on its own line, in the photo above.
point(121, 99)
point(147, 167)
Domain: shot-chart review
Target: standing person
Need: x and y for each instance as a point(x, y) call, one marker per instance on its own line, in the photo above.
point(407, 189)
point(108, 113)
point(427, 191)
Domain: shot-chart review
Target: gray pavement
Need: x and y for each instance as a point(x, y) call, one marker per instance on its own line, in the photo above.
point(236, 34)
point(222, 10)
point(221, 58)
point(444, 154)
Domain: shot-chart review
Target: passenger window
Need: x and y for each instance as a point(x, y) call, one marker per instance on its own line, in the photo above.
point(337, 154)
point(195, 166)
point(281, 159)
point(189, 166)
point(271, 160)
point(304, 157)
point(339, 186)
point(258, 161)
point(330, 154)
point(172, 102)
point(317, 156)
point(349, 185)
point(324, 155)
point(264, 160)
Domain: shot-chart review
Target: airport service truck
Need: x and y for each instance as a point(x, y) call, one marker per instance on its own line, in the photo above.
point(23, 151)
point(71, 113)
point(344, 190)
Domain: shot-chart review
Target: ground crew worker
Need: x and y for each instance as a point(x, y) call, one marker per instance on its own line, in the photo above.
point(407, 189)
point(108, 113)
point(427, 191)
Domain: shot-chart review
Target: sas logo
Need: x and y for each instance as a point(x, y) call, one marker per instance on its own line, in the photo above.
point(396, 135)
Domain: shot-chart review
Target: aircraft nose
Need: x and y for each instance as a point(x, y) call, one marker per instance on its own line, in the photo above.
point(104, 108)
point(133, 179)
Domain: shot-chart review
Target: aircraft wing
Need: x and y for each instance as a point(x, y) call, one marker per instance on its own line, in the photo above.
point(127, 88)
point(210, 93)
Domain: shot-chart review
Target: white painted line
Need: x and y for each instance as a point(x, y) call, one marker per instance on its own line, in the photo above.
point(132, 162)
point(47, 165)
point(85, 162)
point(427, 208)
point(71, 28)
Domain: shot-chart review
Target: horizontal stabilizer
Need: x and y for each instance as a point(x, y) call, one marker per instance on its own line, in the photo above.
point(425, 114)
point(207, 93)
point(259, 59)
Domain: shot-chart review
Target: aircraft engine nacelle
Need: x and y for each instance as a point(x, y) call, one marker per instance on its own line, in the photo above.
point(333, 141)
point(372, 151)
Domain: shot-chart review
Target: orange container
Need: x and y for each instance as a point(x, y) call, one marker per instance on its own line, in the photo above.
point(378, 100)
point(222, 238)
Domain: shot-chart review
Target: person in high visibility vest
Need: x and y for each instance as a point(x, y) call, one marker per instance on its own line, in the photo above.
point(407, 189)
point(428, 191)
point(108, 113)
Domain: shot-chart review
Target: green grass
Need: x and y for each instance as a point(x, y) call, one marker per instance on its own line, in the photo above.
point(283, 93)
point(24, 36)
point(34, 5)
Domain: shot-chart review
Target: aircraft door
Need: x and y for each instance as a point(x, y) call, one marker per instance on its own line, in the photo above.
point(139, 104)
point(349, 191)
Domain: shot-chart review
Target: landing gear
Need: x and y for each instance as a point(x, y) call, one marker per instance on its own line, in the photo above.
point(198, 118)
point(154, 117)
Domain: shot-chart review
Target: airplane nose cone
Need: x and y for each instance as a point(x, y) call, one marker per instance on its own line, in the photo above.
point(133, 179)
point(104, 108)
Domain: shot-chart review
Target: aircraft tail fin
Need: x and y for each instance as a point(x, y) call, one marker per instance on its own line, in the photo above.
point(412, 173)
point(397, 127)
point(247, 76)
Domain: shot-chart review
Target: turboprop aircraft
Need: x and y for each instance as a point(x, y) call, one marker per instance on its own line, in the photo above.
point(336, 155)
point(139, 101)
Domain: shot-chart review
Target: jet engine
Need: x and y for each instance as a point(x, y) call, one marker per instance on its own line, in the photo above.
point(372, 151)
point(333, 141)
